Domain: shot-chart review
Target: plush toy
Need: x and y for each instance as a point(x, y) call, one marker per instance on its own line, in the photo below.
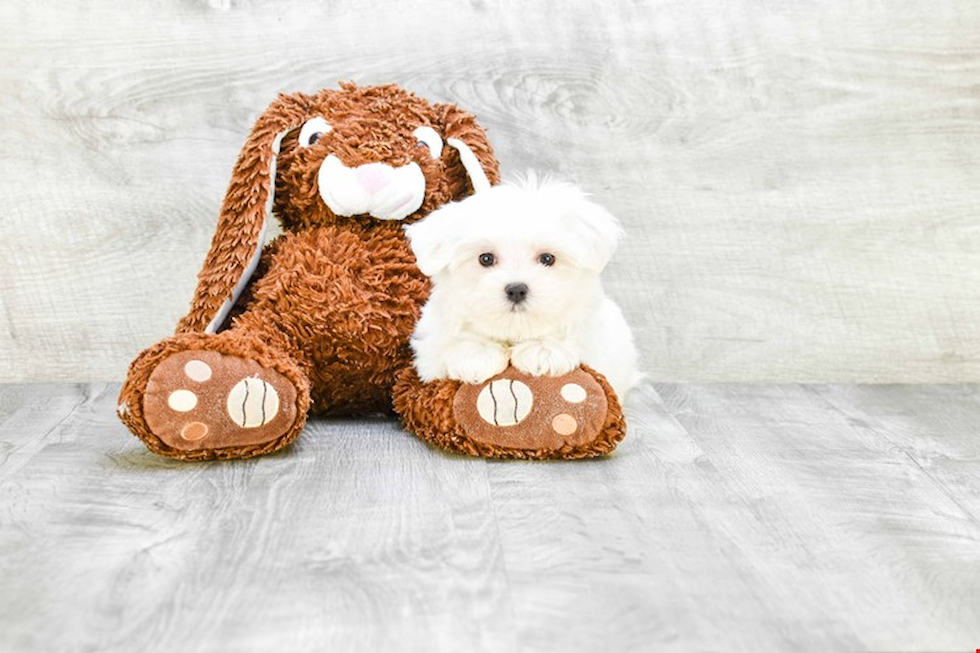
point(318, 320)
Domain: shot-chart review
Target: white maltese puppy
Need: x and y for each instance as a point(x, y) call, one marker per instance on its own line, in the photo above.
point(515, 279)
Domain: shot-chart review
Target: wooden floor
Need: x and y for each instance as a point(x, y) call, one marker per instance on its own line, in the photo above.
point(733, 517)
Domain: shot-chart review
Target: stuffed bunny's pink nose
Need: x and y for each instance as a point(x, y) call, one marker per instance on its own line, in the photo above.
point(372, 177)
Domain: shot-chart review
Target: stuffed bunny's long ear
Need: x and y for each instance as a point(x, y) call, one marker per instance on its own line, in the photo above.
point(478, 178)
point(471, 144)
point(240, 235)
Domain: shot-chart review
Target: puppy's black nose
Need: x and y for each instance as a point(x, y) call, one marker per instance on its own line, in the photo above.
point(516, 292)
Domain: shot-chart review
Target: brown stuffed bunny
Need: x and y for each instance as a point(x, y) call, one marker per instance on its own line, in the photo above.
point(319, 320)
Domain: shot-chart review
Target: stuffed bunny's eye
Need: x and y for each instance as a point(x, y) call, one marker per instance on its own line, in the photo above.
point(429, 138)
point(313, 130)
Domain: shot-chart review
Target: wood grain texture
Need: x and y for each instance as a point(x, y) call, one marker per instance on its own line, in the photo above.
point(800, 182)
point(358, 537)
point(733, 517)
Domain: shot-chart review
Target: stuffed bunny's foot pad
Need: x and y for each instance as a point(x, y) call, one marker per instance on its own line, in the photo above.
point(198, 399)
point(516, 411)
point(514, 415)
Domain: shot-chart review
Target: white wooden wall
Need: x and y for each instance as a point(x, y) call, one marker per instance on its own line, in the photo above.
point(800, 181)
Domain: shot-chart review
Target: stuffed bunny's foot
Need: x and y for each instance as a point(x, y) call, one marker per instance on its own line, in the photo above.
point(517, 411)
point(198, 399)
point(515, 415)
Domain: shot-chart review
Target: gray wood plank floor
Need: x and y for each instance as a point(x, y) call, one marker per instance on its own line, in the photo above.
point(736, 517)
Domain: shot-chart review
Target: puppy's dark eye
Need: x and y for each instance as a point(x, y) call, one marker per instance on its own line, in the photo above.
point(487, 259)
point(547, 260)
point(314, 137)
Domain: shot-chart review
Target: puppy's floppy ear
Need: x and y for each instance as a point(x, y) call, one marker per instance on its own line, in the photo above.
point(475, 157)
point(435, 237)
point(595, 232)
point(238, 240)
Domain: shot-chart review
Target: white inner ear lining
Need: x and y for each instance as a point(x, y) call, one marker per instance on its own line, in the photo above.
point(471, 164)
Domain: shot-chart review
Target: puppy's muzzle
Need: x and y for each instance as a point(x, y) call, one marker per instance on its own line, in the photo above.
point(516, 292)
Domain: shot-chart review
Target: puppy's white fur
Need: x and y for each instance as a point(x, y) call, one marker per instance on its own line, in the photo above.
point(469, 329)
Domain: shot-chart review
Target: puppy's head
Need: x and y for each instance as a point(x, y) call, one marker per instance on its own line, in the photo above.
point(519, 259)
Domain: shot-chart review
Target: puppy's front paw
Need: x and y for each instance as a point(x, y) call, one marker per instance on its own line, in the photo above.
point(543, 358)
point(475, 362)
